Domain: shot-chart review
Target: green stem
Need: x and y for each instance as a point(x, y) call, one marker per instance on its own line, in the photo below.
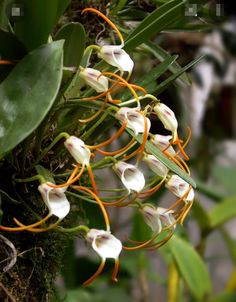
point(146, 96)
point(77, 229)
point(173, 281)
point(38, 177)
point(46, 150)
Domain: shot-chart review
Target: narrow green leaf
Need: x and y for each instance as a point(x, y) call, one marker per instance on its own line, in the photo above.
point(40, 16)
point(151, 77)
point(7, 197)
point(166, 161)
point(191, 267)
point(162, 55)
point(171, 79)
point(155, 22)
point(230, 243)
point(118, 7)
point(74, 36)
point(223, 211)
point(28, 93)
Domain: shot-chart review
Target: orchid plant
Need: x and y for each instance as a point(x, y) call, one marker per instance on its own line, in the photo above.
point(93, 118)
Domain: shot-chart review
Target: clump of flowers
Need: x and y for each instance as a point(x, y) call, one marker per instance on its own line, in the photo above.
point(134, 118)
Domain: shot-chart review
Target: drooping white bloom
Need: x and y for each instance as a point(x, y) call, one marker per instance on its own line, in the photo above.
point(116, 56)
point(131, 177)
point(106, 246)
point(55, 199)
point(179, 188)
point(78, 150)
point(167, 117)
point(135, 119)
point(104, 243)
point(157, 217)
point(94, 79)
point(162, 142)
point(155, 165)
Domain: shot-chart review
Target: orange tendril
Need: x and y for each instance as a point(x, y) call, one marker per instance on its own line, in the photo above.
point(98, 200)
point(111, 139)
point(94, 276)
point(91, 177)
point(93, 10)
point(112, 153)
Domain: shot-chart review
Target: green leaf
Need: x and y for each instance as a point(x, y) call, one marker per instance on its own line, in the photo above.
point(191, 267)
point(74, 35)
point(47, 175)
point(201, 216)
point(40, 16)
point(4, 13)
point(225, 176)
point(155, 22)
point(172, 78)
point(10, 47)
point(230, 243)
point(223, 211)
point(151, 77)
point(166, 161)
point(224, 297)
point(162, 55)
point(28, 93)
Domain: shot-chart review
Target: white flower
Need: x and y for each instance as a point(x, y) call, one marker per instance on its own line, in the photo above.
point(116, 56)
point(179, 187)
point(135, 119)
point(78, 150)
point(155, 165)
point(131, 177)
point(106, 246)
point(167, 117)
point(162, 142)
point(55, 200)
point(158, 218)
point(94, 79)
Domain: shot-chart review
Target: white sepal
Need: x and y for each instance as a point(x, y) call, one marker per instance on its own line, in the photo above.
point(162, 142)
point(104, 243)
point(131, 177)
point(179, 188)
point(167, 117)
point(78, 150)
point(55, 199)
point(155, 165)
point(94, 79)
point(116, 56)
point(135, 119)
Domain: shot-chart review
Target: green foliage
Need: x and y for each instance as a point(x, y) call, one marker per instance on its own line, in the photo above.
point(30, 29)
point(26, 96)
point(74, 36)
point(191, 267)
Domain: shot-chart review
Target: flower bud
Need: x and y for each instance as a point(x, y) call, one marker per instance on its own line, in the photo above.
point(78, 150)
point(94, 79)
point(135, 119)
point(116, 56)
point(155, 165)
point(167, 117)
point(179, 188)
point(131, 177)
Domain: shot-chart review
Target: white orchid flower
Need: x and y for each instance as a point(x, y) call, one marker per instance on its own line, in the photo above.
point(135, 119)
point(155, 165)
point(106, 246)
point(78, 150)
point(116, 56)
point(179, 188)
point(167, 117)
point(94, 79)
point(158, 218)
point(162, 142)
point(131, 177)
point(55, 199)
